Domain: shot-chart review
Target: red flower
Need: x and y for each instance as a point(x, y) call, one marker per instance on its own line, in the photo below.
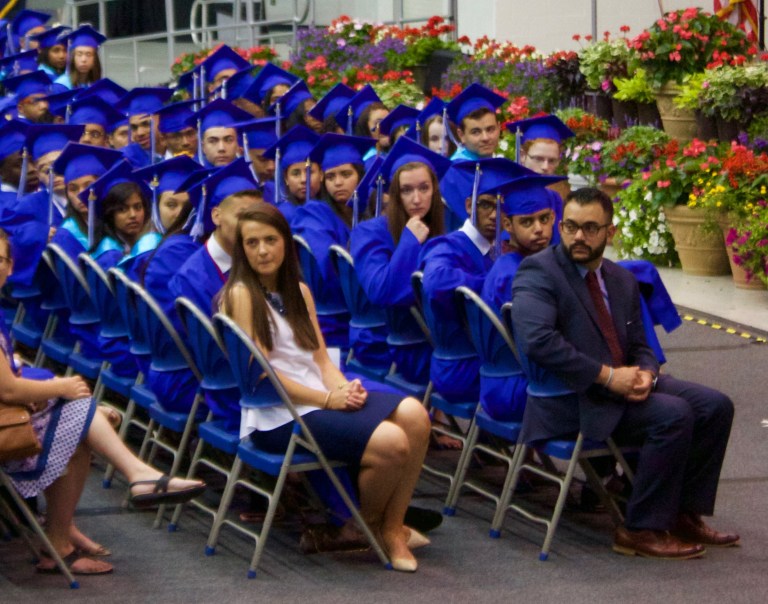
point(576, 37)
point(624, 28)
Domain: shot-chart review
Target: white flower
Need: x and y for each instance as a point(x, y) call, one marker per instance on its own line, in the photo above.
point(637, 251)
point(503, 144)
point(653, 238)
point(633, 215)
point(626, 232)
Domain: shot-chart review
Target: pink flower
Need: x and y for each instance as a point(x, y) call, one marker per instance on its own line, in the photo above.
point(663, 184)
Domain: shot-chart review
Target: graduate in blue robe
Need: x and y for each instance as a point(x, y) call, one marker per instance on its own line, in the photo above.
point(256, 137)
point(530, 221)
point(84, 37)
point(141, 105)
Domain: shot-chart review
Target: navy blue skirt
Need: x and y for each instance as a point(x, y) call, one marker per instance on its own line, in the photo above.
point(341, 435)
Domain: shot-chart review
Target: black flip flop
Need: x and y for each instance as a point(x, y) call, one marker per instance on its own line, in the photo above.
point(161, 495)
point(69, 560)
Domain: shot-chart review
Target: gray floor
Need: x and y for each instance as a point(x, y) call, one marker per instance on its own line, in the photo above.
point(462, 563)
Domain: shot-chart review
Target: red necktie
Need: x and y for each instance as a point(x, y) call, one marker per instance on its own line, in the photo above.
point(604, 319)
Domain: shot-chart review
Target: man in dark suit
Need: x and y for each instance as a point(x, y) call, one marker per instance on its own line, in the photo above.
point(577, 319)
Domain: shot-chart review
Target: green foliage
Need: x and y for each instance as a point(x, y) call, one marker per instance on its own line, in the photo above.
point(604, 60)
point(636, 88)
point(689, 92)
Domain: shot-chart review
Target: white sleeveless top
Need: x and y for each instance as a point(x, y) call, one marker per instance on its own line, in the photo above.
point(295, 363)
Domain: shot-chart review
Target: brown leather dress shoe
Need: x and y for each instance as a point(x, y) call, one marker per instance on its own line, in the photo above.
point(691, 528)
point(654, 544)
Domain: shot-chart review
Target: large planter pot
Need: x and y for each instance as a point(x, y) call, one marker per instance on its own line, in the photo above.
point(701, 248)
point(648, 115)
point(739, 275)
point(574, 183)
point(707, 127)
point(599, 104)
point(563, 188)
point(624, 113)
point(420, 73)
point(611, 187)
point(678, 123)
point(727, 130)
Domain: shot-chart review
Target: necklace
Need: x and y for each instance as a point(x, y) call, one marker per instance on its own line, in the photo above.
point(275, 300)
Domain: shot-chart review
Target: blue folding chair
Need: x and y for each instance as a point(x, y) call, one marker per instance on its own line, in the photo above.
point(497, 360)
point(29, 320)
point(363, 313)
point(450, 349)
point(326, 311)
point(575, 452)
point(260, 387)
point(57, 342)
point(208, 350)
point(82, 313)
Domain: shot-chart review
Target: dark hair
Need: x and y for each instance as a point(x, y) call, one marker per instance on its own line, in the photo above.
point(115, 199)
point(361, 127)
point(43, 58)
point(589, 195)
point(476, 115)
point(397, 217)
point(288, 276)
point(93, 75)
point(299, 116)
point(326, 197)
point(424, 135)
point(176, 227)
point(331, 125)
point(290, 197)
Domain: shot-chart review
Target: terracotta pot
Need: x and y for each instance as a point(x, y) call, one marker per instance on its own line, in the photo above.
point(648, 115)
point(739, 275)
point(611, 187)
point(563, 188)
point(624, 113)
point(707, 126)
point(678, 123)
point(701, 248)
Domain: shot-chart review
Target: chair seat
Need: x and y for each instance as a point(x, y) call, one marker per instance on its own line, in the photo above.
point(215, 434)
point(509, 431)
point(462, 409)
point(218, 382)
point(168, 419)
point(369, 371)
point(28, 335)
point(84, 366)
point(116, 383)
point(143, 396)
point(57, 349)
point(270, 462)
point(411, 388)
point(563, 449)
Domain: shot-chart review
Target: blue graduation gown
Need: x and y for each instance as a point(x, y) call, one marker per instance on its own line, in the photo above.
point(134, 262)
point(288, 210)
point(503, 398)
point(163, 265)
point(198, 279)
point(71, 238)
point(448, 262)
point(384, 270)
point(321, 227)
point(135, 154)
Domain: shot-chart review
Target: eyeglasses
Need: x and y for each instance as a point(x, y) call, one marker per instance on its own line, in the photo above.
point(590, 229)
point(540, 159)
point(94, 135)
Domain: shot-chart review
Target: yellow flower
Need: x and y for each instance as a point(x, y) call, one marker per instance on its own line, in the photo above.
point(719, 203)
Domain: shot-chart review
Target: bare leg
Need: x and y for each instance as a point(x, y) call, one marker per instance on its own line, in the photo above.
point(103, 439)
point(389, 470)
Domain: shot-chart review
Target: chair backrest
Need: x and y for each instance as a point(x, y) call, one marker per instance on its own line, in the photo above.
point(53, 293)
point(540, 382)
point(310, 271)
point(259, 385)
point(74, 286)
point(496, 349)
point(206, 347)
point(103, 297)
point(120, 285)
point(167, 349)
point(364, 313)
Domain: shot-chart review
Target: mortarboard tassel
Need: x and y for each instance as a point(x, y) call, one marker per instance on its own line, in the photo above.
point(308, 173)
point(200, 155)
point(68, 68)
point(355, 209)
point(350, 115)
point(201, 82)
point(278, 114)
point(154, 184)
point(152, 142)
point(198, 229)
point(278, 188)
point(379, 194)
point(518, 139)
point(91, 217)
point(24, 170)
point(50, 196)
point(475, 188)
point(497, 241)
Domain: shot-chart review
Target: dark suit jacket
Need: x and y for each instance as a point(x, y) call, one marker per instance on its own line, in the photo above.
point(556, 327)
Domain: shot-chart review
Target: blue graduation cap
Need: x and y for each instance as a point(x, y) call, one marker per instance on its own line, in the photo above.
point(26, 85)
point(258, 133)
point(77, 160)
point(290, 101)
point(44, 138)
point(7, 108)
point(400, 116)
point(225, 181)
point(472, 98)
point(187, 81)
point(85, 35)
point(434, 107)
point(28, 19)
point(176, 117)
point(168, 175)
point(406, 151)
point(546, 126)
point(19, 63)
point(336, 98)
point(143, 101)
point(522, 195)
point(336, 149)
point(51, 37)
point(219, 114)
point(92, 110)
point(235, 85)
point(59, 101)
point(12, 135)
point(220, 59)
point(348, 115)
point(270, 76)
point(105, 89)
point(120, 172)
point(294, 147)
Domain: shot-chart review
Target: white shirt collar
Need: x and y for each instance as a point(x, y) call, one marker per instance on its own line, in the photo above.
point(6, 188)
point(218, 254)
point(481, 243)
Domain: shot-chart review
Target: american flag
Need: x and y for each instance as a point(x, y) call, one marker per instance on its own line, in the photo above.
point(742, 13)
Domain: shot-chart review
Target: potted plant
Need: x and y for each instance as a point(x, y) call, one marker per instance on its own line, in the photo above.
point(628, 155)
point(682, 43)
point(748, 242)
point(568, 83)
point(687, 99)
point(637, 89)
point(600, 62)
